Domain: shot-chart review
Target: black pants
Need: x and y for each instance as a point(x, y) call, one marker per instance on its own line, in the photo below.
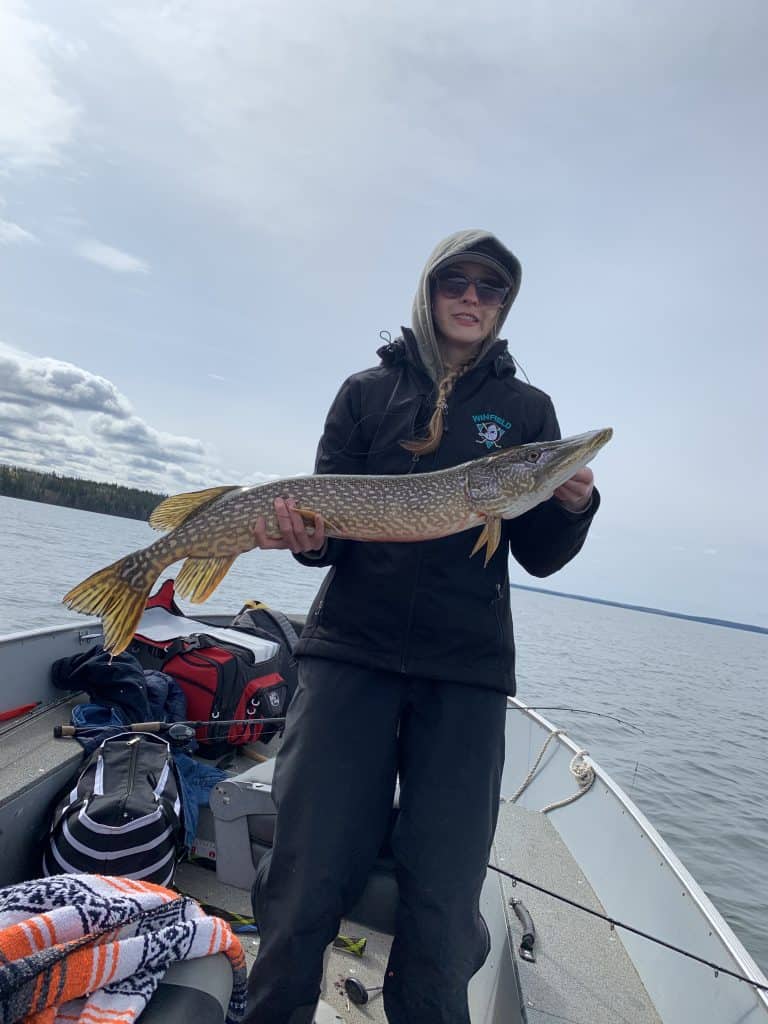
point(349, 733)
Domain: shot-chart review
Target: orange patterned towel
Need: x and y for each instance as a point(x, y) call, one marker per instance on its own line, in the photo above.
point(91, 948)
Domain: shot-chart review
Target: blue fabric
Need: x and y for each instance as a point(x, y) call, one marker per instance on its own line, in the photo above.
point(98, 716)
point(197, 781)
point(167, 702)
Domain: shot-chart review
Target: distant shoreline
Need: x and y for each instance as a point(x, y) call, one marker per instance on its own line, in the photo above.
point(708, 620)
point(72, 492)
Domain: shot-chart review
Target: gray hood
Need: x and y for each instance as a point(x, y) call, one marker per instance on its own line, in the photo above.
point(462, 244)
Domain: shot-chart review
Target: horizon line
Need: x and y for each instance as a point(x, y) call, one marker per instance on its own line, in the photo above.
point(707, 619)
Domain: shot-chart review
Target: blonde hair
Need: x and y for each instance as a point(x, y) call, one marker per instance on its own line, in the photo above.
point(424, 445)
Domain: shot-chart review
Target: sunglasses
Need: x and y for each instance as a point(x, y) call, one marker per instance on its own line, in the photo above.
point(452, 284)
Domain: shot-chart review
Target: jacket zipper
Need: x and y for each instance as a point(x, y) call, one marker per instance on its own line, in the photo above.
point(496, 602)
point(411, 610)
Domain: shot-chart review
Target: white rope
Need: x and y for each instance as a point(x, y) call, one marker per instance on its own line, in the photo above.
point(581, 771)
point(529, 777)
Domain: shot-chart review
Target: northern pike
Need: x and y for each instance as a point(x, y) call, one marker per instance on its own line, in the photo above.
point(211, 528)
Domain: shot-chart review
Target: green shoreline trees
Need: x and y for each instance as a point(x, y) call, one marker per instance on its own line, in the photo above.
point(89, 495)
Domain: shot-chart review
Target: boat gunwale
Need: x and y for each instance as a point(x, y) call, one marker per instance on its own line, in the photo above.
point(706, 907)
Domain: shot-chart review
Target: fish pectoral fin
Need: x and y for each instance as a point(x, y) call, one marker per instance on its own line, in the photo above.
point(179, 507)
point(308, 517)
point(489, 537)
point(199, 577)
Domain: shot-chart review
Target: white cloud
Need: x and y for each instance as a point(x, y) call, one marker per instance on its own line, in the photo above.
point(36, 121)
point(287, 120)
point(28, 379)
point(10, 233)
point(58, 416)
point(111, 258)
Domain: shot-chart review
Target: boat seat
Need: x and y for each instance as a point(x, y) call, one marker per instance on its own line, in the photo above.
point(244, 827)
point(192, 990)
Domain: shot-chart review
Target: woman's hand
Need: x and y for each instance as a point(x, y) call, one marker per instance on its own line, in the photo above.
point(293, 532)
point(576, 494)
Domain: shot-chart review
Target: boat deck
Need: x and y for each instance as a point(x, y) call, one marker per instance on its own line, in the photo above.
point(582, 971)
point(202, 884)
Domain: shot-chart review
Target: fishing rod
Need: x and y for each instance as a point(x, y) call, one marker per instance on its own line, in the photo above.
point(62, 731)
point(577, 711)
point(183, 730)
point(614, 923)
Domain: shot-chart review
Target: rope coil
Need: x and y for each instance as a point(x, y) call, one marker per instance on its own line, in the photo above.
point(583, 772)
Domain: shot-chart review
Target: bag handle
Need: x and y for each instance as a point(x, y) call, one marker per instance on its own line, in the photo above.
point(282, 622)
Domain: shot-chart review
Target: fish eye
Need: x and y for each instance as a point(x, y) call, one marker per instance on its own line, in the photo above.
point(532, 456)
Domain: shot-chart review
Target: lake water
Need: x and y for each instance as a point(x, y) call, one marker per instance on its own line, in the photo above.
point(698, 769)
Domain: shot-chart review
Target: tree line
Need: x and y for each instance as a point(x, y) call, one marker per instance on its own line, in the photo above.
point(89, 495)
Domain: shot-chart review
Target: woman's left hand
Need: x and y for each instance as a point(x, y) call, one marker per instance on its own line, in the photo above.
point(576, 494)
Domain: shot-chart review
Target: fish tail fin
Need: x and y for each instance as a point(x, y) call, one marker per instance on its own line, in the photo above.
point(117, 596)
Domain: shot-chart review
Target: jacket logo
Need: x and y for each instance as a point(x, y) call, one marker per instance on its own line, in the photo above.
point(491, 429)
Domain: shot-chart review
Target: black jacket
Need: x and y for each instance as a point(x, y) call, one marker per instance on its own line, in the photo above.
point(428, 609)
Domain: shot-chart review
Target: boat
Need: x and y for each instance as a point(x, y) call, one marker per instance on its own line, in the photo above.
point(591, 916)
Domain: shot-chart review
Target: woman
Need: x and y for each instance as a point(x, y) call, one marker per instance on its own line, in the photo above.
point(407, 659)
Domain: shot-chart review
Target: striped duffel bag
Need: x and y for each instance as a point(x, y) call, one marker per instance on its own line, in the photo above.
point(124, 815)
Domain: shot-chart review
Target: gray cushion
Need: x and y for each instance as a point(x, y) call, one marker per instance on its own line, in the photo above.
point(192, 991)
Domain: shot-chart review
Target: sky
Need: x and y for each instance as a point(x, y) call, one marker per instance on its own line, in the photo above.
point(209, 211)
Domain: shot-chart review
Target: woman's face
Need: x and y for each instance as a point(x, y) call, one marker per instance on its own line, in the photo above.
point(463, 321)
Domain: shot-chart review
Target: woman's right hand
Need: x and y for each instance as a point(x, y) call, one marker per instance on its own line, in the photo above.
point(293, 531)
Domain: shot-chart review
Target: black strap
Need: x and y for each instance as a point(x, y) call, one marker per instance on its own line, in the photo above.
point(283, 623)
point(286, 626)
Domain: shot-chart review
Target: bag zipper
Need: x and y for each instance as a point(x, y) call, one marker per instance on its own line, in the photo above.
point(131, 773)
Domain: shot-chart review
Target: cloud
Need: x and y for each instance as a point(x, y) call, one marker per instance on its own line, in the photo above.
point(58, 416)
point(285, 120)
point(10, 233)
point(46, 418)
point(134, 435)
point(27, 379)
point(37, 122)
point(111, 258)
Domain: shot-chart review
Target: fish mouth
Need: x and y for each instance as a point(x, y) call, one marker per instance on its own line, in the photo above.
point(589, 443)
point(572, 453)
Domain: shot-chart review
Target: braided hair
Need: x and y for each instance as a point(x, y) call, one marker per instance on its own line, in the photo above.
point(424, 445)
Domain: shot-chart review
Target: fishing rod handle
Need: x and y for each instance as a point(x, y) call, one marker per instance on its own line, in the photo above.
point(64, 731)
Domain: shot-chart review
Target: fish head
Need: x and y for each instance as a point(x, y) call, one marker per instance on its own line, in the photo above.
point(512, 481)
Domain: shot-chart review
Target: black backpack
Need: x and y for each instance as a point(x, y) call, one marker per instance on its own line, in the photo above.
point(260, 620)
point(124, 815)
